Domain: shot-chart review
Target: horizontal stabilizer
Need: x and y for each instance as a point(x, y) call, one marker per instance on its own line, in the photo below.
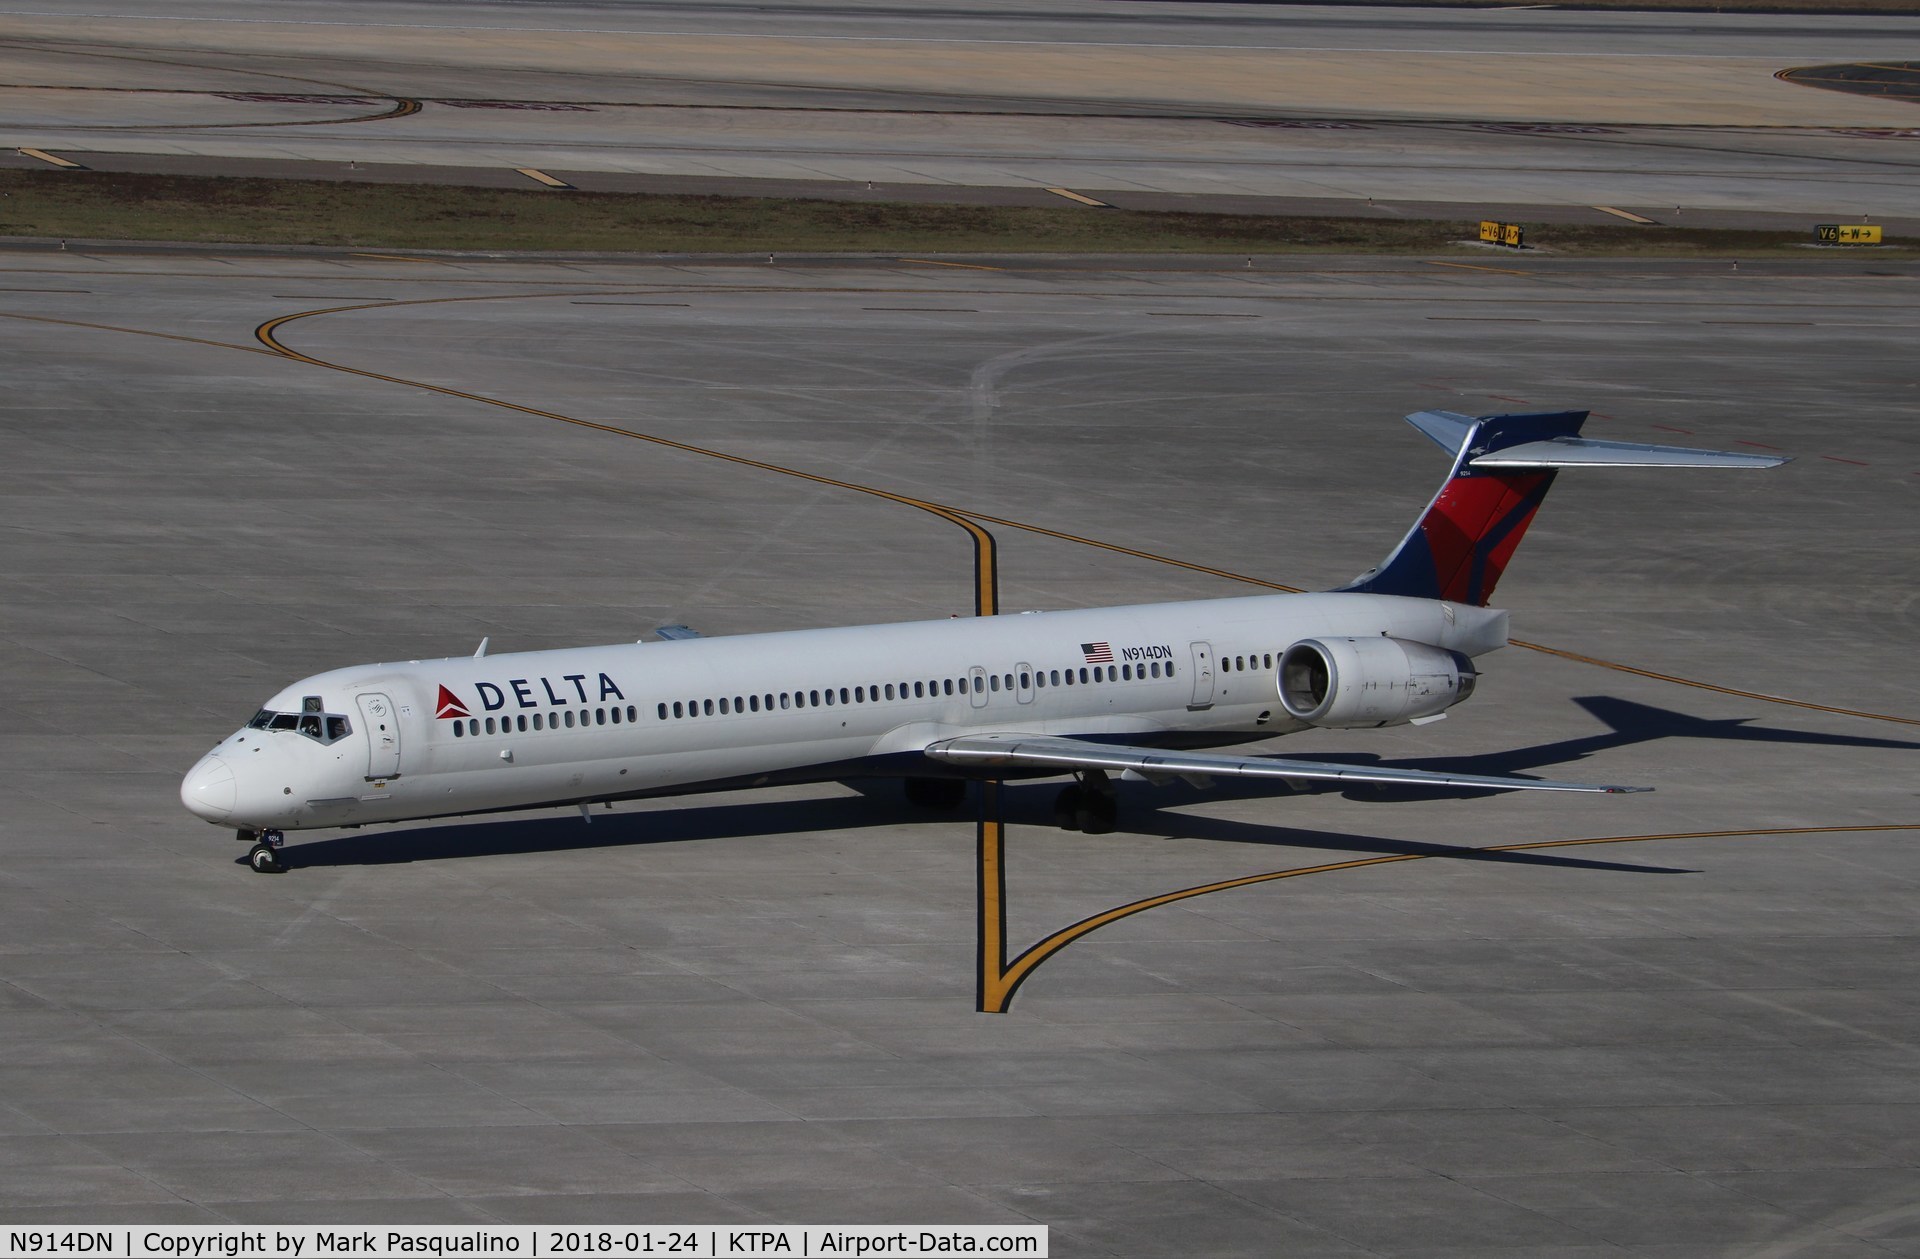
point(675, 633)
point(1587, 452)
point(1033, 751)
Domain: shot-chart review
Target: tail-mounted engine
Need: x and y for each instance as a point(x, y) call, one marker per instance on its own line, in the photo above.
point(1349, 683)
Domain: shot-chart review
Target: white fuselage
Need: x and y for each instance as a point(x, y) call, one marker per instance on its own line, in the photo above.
point(419, 739)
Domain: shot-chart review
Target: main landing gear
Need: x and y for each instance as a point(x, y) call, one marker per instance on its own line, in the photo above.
point(936, 793)
point(264, 857)
point(1088, 805)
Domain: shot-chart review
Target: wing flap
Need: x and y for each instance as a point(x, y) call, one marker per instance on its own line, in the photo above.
point(1028, 751)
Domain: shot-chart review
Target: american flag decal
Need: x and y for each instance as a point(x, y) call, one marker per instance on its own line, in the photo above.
point(1097, 653)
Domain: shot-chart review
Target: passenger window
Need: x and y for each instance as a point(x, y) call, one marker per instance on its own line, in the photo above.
point(738, 706)
point(473, 727)
point(489, 725)
point(783, 699)
point(1126, 671)
point(963, 683)
point(889, 690)
point(1055, 675)
point(1083, 677)
point(723, 705)
point(520, 723)
point(753, 703)
point(859, 694)
point(663, 712)
point(536, 721)
point(1026, 681)
point(583, 719)
point(813, 699)
point(459, 729)
point(843, 695)
point(1009, 681)
point(993, 683)
point(676, 708)
point(1069, 677)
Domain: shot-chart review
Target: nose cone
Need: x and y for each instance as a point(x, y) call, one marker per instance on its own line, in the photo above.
point(208, 789)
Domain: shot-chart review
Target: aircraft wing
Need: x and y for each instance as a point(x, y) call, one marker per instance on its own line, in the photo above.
point(1032, 751)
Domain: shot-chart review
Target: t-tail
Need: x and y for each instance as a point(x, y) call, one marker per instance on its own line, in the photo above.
point(1503, 467)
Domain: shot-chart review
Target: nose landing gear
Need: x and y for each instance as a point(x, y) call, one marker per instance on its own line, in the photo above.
point(264, 857)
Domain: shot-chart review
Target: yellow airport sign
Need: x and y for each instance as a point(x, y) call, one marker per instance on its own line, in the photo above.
point(1846, 233)
point(1502, 233)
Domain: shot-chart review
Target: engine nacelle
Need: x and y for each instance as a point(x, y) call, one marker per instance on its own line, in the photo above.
point(1350, 683)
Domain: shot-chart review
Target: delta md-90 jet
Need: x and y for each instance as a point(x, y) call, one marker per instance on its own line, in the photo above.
point(1136, 691)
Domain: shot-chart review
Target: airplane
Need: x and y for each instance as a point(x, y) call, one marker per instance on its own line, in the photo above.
point(1144, 692)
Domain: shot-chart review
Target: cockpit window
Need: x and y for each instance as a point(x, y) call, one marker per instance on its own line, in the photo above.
point(322, 728)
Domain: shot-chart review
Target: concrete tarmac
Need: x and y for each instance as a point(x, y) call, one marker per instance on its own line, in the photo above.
point(1699, 1038)
point(1653, 112)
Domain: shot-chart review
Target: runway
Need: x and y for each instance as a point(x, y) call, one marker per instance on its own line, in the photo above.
point(1662, 1025)
point(1661, 113)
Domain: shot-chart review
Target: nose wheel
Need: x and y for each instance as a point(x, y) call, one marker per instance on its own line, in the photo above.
point(264, 856)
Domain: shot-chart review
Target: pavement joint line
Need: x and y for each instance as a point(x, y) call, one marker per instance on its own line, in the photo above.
point(541, 177)
point(1082, 198)
point(1628, 215)
point(44, 156)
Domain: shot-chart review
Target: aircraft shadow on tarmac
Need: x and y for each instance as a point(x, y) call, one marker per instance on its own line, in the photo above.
point(1146, 810)
point(1627, 723)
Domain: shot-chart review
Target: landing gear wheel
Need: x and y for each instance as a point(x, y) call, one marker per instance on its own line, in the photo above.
point(1088, 805)
point(265, 860)
point(936, 793)
point(1097, 813)
point(1068, 806)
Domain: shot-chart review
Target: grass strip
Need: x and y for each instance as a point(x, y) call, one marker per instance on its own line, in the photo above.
point(99, 205)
